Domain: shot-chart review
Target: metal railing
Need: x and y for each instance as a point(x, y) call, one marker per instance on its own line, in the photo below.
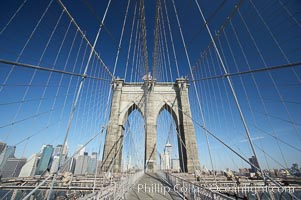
point(190, 190)
point(117, 189)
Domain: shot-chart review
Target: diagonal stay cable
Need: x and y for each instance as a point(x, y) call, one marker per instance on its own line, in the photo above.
point(191, 73)
point(65, 162)
point(279, 118)
point(218, 8)
point(223, 26)
point(84, 36)
point(232, 150)
point(33, 32)
point(80, 89)
point(8, 62)
point(231, 87)
point(28, 118)
point(288, 65)
point(277, 138)
point(31, 100)
point(90, 7)
point(13, 17)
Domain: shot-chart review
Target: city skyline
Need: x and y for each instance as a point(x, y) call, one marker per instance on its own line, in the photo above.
point(82, 163)
point(36, 105)
point(99, 99)
point(46, 161)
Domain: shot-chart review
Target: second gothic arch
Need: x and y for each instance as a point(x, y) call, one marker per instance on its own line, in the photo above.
point(173, 97)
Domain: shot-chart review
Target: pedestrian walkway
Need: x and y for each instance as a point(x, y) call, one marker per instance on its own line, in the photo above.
point(151, 186)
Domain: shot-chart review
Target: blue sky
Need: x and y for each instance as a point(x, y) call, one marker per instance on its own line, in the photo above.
point(272, 110)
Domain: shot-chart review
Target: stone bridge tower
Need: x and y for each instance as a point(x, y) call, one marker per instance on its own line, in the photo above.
point(150, 98)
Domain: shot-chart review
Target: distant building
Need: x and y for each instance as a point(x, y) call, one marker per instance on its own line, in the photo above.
point(175, 165)
point(69, 165)
point(204, 170)
point(269, 172)
point(2, 146)
point(30, 166)
point(42, 148)
point(295, 168)
point(81, 165)
point(57, 150)
point(283, 172)
point(81, 150)
point(129, 164)
point(8, 152)
point(54, 164)
point(12, 167)
point(254, 161)
point(45, 160)
point(165, 157)
point(92, 162)
point(243, 171)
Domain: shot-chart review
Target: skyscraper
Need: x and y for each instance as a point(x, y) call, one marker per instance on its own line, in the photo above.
point(42, 148)
point(57, 150)
point(165, 157)
point(29, 168)
point(81, 165)
point(80, 150)
point(254, 161)
point(45, 159)
point(92, 162)
point(12, 167)
point(54, 164)
point(175, 165)
point(69, 165)
point(8, 152)
point(129, 167)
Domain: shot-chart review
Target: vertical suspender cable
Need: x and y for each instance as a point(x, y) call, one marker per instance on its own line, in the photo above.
point(130, 43)
point(83, 78)
point(171, 39)
point(79, 90)
point(194, 85)
point(121, 35)
point(166, 44)
point(231, 86)
point(26, 44)
point(13, 17)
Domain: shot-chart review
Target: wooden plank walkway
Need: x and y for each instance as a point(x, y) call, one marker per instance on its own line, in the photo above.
point(151, 186)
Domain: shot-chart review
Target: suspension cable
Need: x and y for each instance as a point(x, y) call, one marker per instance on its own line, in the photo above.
point(171, 39)
point(121, 35)
point(235, 152)
point(130, 43)
point(232, 88)
point(190, 68)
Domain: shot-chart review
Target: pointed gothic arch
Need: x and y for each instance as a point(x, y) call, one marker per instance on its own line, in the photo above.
point(132, 107)
point(150, 98)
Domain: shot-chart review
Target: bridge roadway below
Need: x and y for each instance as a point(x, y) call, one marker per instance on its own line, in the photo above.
point(151, 186)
